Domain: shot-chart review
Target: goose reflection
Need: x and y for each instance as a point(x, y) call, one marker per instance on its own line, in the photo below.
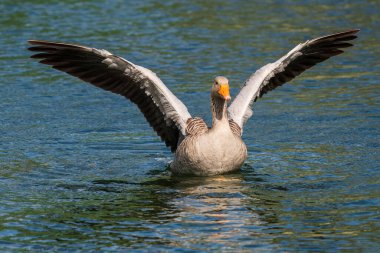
point(231, 209)
point(219, 208)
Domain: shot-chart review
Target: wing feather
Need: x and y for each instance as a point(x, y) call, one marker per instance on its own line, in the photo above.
point(166, 114)
point(273, 75)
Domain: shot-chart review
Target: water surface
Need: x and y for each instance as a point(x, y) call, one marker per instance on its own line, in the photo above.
point(82, 171)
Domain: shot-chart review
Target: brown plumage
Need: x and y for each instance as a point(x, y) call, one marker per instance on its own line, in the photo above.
point(199, 149)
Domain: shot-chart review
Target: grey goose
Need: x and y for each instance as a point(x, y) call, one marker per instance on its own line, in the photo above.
point(198, 149)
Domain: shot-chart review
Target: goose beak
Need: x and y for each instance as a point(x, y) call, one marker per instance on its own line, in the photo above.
point(224, 91)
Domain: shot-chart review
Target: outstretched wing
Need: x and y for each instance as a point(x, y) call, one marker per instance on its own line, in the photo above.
point(162, 109)
point(272, 75)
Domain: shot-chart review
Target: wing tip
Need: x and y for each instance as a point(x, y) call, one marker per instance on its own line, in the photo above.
point(32, 42)
point(340, 36)
point(347, 32)
point(55, 45)
point(354, 31)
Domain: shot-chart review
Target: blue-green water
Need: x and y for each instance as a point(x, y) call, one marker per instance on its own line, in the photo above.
point(81, 171)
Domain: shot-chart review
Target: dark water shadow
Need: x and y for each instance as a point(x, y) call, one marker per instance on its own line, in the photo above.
point(150, 211)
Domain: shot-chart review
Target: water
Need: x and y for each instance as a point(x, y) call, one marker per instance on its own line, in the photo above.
point(81, 170)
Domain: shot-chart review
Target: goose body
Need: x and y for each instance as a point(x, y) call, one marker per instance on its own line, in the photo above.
point(216, 152)
point(210, 151)
point(198, 149)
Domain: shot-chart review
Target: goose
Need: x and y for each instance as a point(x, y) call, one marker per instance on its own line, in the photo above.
point(198, 149)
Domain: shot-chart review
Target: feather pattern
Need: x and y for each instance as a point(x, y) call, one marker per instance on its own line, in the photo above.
point(196, 126)
point(273, 75)
point(166, 114)
point(236, 130)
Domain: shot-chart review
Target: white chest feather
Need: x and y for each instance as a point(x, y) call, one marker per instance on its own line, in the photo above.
point(215, 152)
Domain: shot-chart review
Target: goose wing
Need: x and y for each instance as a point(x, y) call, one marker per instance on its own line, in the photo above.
point(299, 59)
point(166, 114)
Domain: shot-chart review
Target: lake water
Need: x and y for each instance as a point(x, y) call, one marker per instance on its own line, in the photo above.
point(81, 171)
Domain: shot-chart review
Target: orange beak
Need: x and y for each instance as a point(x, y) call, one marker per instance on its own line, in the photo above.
point(224, 91)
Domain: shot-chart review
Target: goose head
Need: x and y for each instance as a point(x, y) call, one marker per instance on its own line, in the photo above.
point(221, 88)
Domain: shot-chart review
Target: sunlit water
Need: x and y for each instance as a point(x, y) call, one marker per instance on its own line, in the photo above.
point(82, 171)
